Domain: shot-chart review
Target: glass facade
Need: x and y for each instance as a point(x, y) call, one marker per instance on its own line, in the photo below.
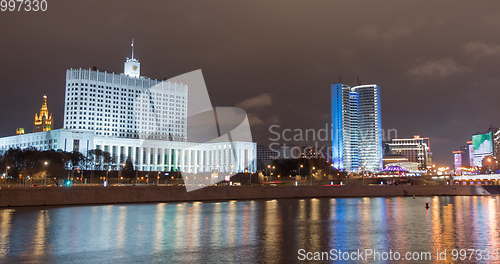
point(356, 127)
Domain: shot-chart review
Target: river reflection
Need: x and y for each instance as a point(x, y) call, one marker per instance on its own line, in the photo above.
point(245, 231)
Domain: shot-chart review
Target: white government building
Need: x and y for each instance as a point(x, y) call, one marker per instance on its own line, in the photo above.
point(137, 118)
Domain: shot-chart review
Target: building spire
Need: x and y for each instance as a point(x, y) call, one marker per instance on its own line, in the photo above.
point(43, 119)
point(132, 66)
point(132, 46)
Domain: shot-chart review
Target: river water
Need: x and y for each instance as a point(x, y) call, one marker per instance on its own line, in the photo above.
point(260, 231)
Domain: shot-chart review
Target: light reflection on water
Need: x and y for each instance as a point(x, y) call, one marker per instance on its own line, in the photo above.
point(245, 231)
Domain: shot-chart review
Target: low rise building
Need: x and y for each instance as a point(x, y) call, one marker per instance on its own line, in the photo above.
point(416, 149)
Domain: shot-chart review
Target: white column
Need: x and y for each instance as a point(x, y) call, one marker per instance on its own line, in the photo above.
point(196, 161)
point(189, 161)
point(241, 160)
point(162, 159)
point(176, 159)
point(200, 161)
point(118, 155)
point(169, 159)
point(133, 155)
point(153, 156)
point(182, 160)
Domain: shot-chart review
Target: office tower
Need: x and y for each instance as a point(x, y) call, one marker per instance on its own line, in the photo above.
point(125, 105)
point(356, 127)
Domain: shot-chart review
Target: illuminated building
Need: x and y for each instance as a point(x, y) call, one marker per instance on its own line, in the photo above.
point(400, 161)
point(463, 158)
point(458, 158)
point(43, 119)
point(356, 127)
point(112, 104)
point(496, 141)
point(416, 149)
point(133, 118)
point(482, 146)
point(469, 150)
point(310, 153)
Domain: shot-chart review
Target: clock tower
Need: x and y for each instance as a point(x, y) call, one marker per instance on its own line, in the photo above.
point(132, 66)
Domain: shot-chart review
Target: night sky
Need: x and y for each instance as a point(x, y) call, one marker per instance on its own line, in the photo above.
point(437, 61)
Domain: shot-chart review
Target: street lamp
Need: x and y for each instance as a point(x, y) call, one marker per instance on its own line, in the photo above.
point(45, 163)
point(311, 174)
point(122, 167)
point(6, 171)
point(246, 171)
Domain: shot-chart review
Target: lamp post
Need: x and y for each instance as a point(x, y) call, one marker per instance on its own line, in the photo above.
point(46, 164)
point(246, 171)
point(6, 174)
point(274, 171)
point(311, 174)
point(107, 174)
point(122, 167)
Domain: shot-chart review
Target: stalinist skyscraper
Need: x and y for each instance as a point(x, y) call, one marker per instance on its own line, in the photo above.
point(43, 120)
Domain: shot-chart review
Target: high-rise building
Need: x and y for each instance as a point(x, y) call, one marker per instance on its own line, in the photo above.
point(463, 157)
point(125, 105)
point(416, 149)
point(469, 150)
point(356, 127)
point(43, 119)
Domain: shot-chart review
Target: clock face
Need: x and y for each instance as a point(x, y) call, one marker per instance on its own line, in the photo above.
point(134, 68)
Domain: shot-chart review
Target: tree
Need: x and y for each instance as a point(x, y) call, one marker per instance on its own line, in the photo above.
point(34, 163)
point(128, 170)
point(107, 159)
point(75, 159)
point(99, 158)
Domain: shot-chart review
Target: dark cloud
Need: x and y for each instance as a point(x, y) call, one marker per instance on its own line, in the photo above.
point(440, 68)
point(256, 102)
point(436, 62)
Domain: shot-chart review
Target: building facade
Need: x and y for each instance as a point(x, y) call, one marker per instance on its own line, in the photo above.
point(416, 149)
point(119, 105)
point(356, 127)
point(145, 154)
point(133, 118)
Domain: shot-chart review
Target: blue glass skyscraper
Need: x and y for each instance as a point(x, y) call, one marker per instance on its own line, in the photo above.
point(356, 127)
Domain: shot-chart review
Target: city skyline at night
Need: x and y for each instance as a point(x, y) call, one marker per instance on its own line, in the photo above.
point(235, 131)
point(424, 74)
